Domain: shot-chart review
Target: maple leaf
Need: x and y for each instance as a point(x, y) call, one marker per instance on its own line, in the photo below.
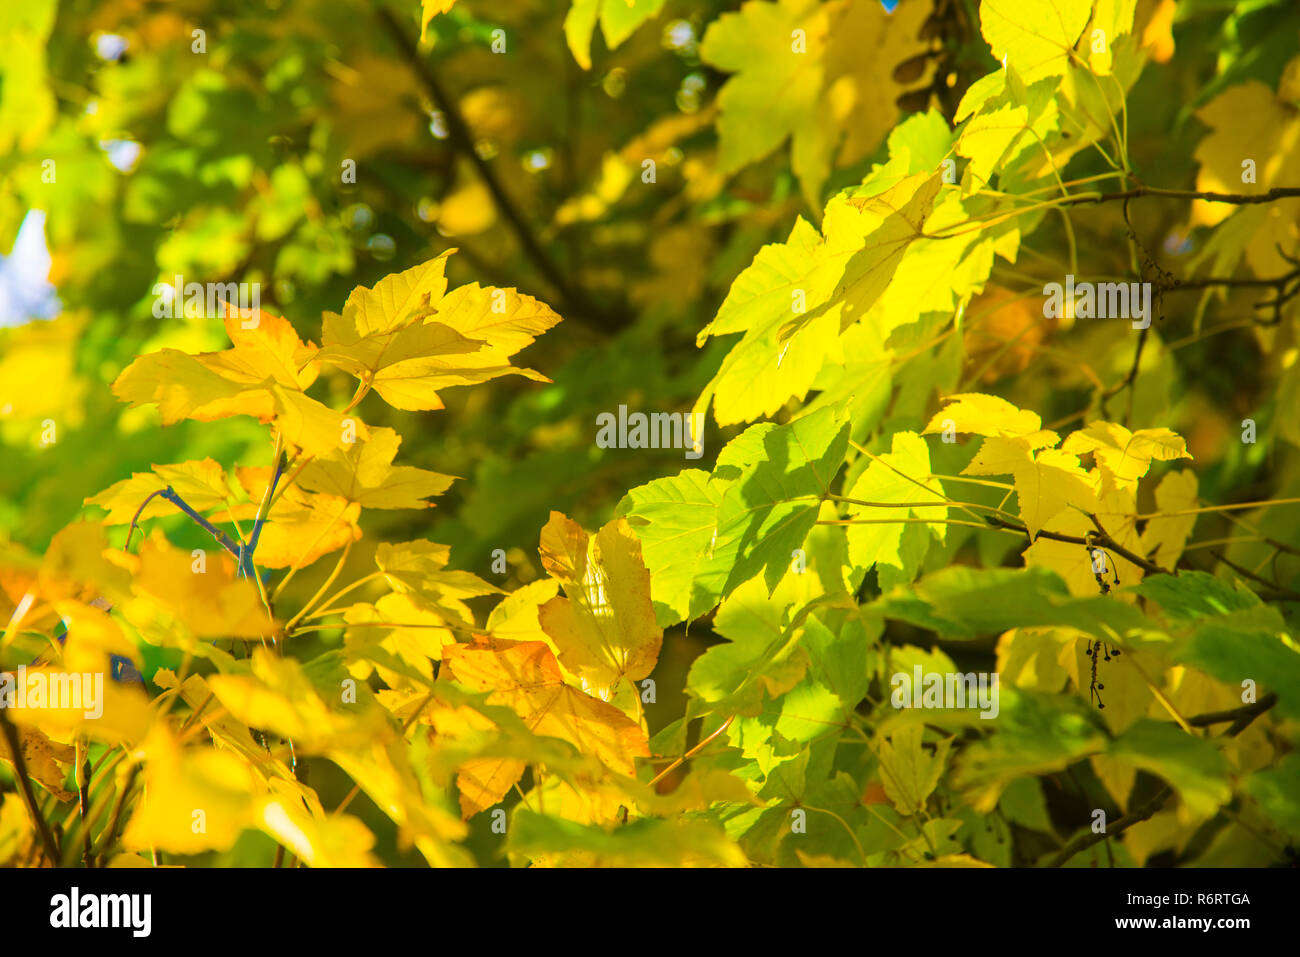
point(618, 21)
point(46, 761)
point(676, 519)
point(980, 414)
point(413, 632)
point(1036, 35)
point(363, 473)
point(1123, 456)
point(908, 772)
point(1165, 536)
point(214, 604)
point(525, 676)
point(213, 385)
point(604, 626)
point(301, 525)
point(277, 694)
point(818, 74)
point(419, 568)
point(388, 338)
point(202, 484)
point(872, 544)
point(177, 782)
point(1047, 480)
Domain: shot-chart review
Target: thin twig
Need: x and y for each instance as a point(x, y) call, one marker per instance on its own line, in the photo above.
point(462, 139)
point(25, 788)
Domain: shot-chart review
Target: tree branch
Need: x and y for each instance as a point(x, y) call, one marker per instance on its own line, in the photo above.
point(1241, 718)
point(25, 787)
point(1235, 714)
point(1102, 539)
point(1085, 840)
point(1236, 199)
point(462, 139)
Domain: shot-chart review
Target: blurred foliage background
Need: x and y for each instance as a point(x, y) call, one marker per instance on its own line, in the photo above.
point(214, 139)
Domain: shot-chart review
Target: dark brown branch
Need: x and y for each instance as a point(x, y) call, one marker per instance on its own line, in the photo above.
point(1101, 540)
point(462, 139)
point(1237, 199)
point(1084, 841)
point(1241, 718)
point(1274, 587)
point(1235, 714)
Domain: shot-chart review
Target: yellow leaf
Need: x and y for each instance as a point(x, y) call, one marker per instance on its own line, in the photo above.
point(525, 677)
point(416, 635)
point(1035, 35)
point(1167, 536)
point(388, 780)
point(820, 74)
point(278, 696)
point(300, 527)
point(210, 604)
point(266, 353)
point(989, 415)
point(195, 799)
point(46, 760)
point(430, 9)
point(312, 426)
point(1158, 35)
point(92, 636)
point(202, 484)
point(1051, 483)
point(104, 711)
point(1124, 456)
point(406, 340)
point(604, 627)
point(363, 473)
point(335, 840)
point(228, 733)
point(418, 569)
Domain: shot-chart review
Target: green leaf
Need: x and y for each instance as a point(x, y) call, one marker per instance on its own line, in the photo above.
point(1191, 764)
point(778, 475)
point(676, 519)
point(908, 772)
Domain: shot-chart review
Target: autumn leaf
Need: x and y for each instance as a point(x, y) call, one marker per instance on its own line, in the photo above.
point(419, 569)
point(618, 20)
point(209, 604)
point(990, 415)
point(430, 9)
point(604, 626)
point(47, 761)
point(390, 339)
point(818, 74)
point(1124, 456)
point(525, 677)
point(1036, 35)
point(363, 473)
point(213, 385)
point(300, 527)
point(194, 799)
point(276, 694)
point(202, 484)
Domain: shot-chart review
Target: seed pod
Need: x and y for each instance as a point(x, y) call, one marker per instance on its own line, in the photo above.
point(910, 70)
